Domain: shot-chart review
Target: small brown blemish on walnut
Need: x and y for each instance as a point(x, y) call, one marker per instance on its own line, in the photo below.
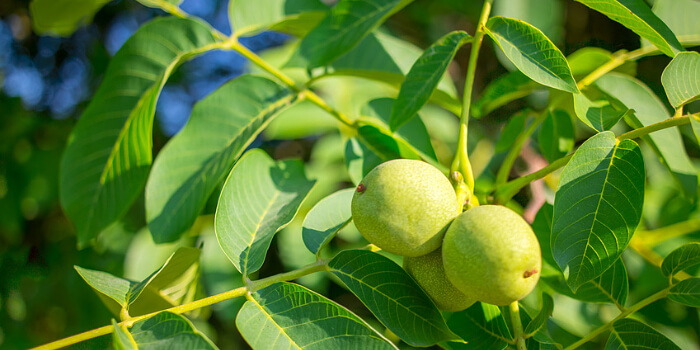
point(527, 274)
point(361, 188)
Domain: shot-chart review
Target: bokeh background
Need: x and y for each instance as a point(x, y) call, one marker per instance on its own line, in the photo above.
point(47, 81)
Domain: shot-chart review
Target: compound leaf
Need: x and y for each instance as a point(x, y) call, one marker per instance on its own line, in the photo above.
point(424, 76)
point(326, 218)
point(392, 296)
point(532, 52)
point(346, 24)
point(648, 109)
point(597, 207)
point(638, 17)
point(109, 153)
point(635, 335)
point(686, 292)
point(289, 316)
point(681, 79)
point(688, 255)
point(260, 196)
point(194, 163)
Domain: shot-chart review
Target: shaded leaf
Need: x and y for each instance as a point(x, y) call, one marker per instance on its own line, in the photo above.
point(680, 16)
point(515, 125)
point(289, 16)
point(532, 52)
point(648, 109)
point(168, 331)
point(286, 315)
point(62, 17)
point(392, 296)
point(556, 136)
point(482, 326)
point(686, 292)
point(634, 335)
point(611, 287)
point(587, 59)
point(326, 218)
point(424, 76)
point(121, 339)
point(260, 196)
point(195, 162)
point(599, 115)
point(681, 78)
point(109, 153)
point(504, 89)
point(347, 23)
point(695, 123)
point(541, 319)
point(637, 17)
point(688, 255)
point(359, 159)
point(597, 207)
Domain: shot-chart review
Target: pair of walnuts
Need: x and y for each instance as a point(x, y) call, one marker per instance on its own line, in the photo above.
point(487, 253)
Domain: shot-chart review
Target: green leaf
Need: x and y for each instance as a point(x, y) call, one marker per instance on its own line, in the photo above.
point(634, 335)
point(504, 89)
point(680, 16)
point(423, 78)
point(392, 296)
point(648, 109)
point(289, 16)
point(597, 207)
point(515, 125)
point(599, 115)
point(482, 326)
point(347, 23)
point(611, 287)
point(681, 79)
point(145, 296)
point(413, 133)
point(62, 17)
point(289, 316)
point(556, 136)
point(637, 17)
point(686, 292)
point(326, 218)
point(541, 319)
point(168, 331)
point(532, 52)
point(388, 59)
point(195, 162)
point(109, 153)
point(359, 159)
point(121, 338)
point(260, 196)
point(695, 123)
point(688, 255)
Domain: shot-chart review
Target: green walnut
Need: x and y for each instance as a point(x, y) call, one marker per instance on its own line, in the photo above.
point(492, 254)
point(404, 206)
point(428, 271)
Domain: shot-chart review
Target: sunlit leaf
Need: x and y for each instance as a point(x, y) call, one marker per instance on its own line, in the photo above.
point(686, 292)
point(392, 296)
point(62, 17)
point(168, 331)
point(599, 115)
point(681, 78)
point(112, 286)
point(109, 153)
point(482, 326)
point(695, 124)
point(648, 109)
point(326, 218)
point(597, 207)
point(260, 196)
point(121, 339)
point(199, 157)
point(347, 23)
point(289, 316)
point(634, 335)
point(556, 136)
point(532, 52)
point(424, 76)
point(680, 16)
point(637, 16)
point(290, 16)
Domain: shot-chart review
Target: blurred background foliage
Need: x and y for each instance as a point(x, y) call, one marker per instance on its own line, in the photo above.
point(47, 81)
